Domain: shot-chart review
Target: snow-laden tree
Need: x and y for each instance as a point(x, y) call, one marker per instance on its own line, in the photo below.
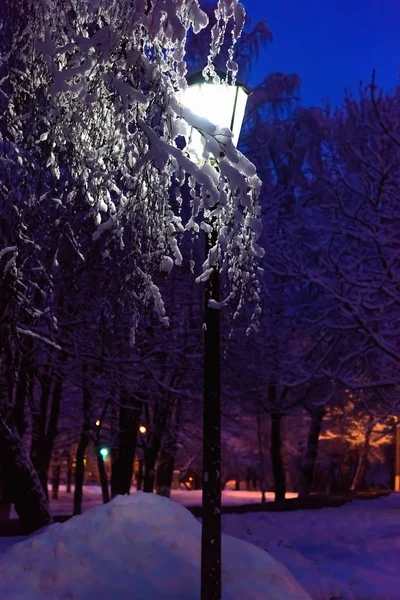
point(338, 180)
point(247, 48)
point(93, 144)
point(321, 171)
point(105, 84)
point(331, 224)
point(359, 271)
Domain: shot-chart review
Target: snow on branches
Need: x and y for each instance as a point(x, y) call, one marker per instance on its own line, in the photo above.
point(106, 129)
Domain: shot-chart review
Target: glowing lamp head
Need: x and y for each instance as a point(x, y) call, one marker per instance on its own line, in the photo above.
point(104, 453)
point(223, 104)
point(142, 429)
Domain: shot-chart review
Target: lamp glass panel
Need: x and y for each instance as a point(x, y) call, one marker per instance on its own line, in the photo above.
point(239, 114)
point(214, 102)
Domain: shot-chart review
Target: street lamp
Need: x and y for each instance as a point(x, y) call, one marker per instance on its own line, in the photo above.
point(223, 105)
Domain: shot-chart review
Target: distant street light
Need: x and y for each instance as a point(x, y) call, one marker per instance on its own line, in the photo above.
point(104, 453)
point(224, 105)
point(142, 429)
point(98, 423)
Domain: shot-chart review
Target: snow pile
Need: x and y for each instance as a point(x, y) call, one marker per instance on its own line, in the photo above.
point(137, 547)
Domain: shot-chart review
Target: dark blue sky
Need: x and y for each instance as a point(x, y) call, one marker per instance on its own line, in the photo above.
point(331, 44)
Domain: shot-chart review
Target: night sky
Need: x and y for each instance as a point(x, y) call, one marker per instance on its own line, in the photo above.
point(331, 44)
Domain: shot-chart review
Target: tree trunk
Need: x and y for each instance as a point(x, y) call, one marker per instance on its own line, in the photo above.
point(114, 479)
point(261, 459)
point(69, 475)
point(80, 471)
point(153, 443)
point(24, 387)
point(276, 456)
point(124, 457)
point(83, 444)
point(310, 457)
point(20, 398)
point(362, 459)
point(39, 428)
point(248, 480)
point(103, 477)
point(105, 491)
point(150, 458)
point(19, 483)
point(55, 484)
point(45, 431)
point(28, 497)
point(5, 495)
point(52, 427)
point(18, 480)
point(140, 473)
point(165, 473)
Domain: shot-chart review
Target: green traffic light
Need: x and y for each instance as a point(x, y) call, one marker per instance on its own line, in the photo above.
point(104, 453)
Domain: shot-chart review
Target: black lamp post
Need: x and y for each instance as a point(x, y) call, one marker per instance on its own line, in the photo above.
point(224, 105)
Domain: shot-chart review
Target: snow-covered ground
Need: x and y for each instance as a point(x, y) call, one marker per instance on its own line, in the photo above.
point(92, 498)
point(345, 553)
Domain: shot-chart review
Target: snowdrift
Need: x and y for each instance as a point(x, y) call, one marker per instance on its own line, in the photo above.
point(137, 547)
